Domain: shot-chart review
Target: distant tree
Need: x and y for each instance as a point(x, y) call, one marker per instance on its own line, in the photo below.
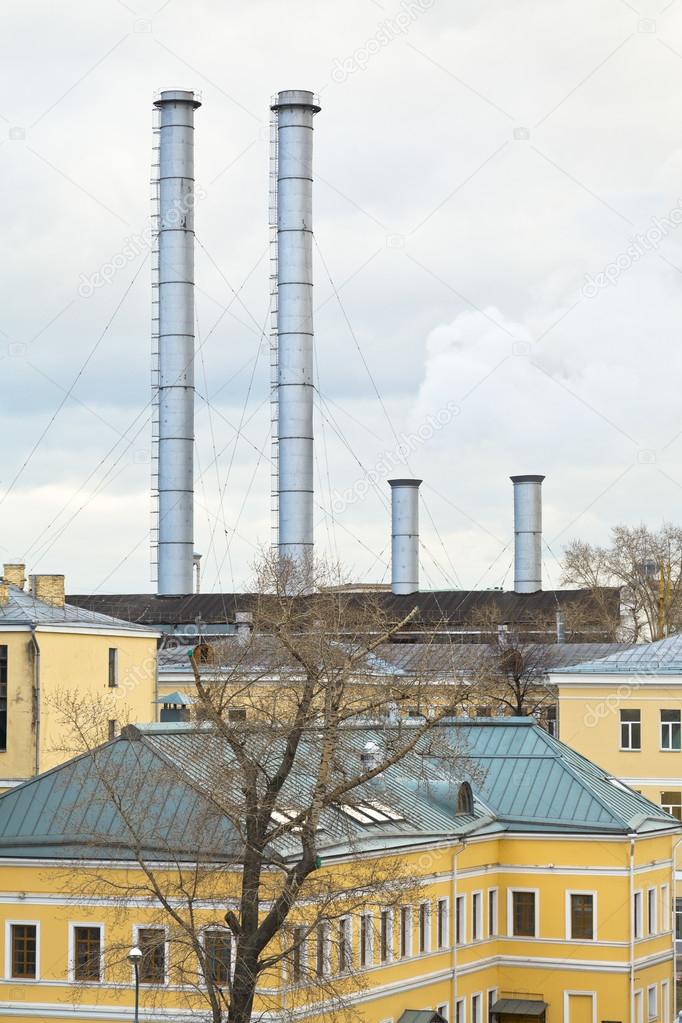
point(647, 564)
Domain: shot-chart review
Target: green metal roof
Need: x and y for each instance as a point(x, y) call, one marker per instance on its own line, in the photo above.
point(519, 1007)
point(170, 781)
point(421, 1016)
point(663, 657)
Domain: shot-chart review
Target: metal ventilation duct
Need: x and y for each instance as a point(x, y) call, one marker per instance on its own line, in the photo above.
point(527, 533)
point(295, 109)
point(176, 341)
point(404, 535)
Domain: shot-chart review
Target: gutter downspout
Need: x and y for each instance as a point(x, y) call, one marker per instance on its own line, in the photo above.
point(632, 928)
point(36, 696)
point(454, 927)
point(672, 909)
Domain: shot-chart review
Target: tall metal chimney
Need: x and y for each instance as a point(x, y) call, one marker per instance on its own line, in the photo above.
point(295, 109)
point(527, 533)
point(404, 535)
point(176, 340)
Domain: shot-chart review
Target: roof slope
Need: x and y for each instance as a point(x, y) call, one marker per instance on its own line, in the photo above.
point(662, 657)
point(522, 780)
point(22, 608)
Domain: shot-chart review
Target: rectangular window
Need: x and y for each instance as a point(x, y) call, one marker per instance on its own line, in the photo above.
point(113, 728)
point(670, 730)
point(492, 912)
point(523, 914)
point(551, 720)
point(3, 697)
point(637, 913)
point(442, 923)
point(651, 917)
point(297, 954)
point(443, 1011)
point(152, 944)
point(652, 1001)
point(476, 916)
point(460, 1011)
point(424, 927)
point(665, 907)
point(475, 1009)
point(113, 667)
point(671, 802)
point(630, 730)
point(492, 998)
point(405, 931)
point(386, 936)
point(24, 951)
point(678, 919)
point(366, 939)
point(322, 950)
point(582, 917)
point(87, 953)
point(344, 945)
point(218, 946)
point(460, 920)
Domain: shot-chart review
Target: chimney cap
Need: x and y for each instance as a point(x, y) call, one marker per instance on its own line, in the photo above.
point(296, 98)
point(529, 478)
point(405, 483)
point(177, 96)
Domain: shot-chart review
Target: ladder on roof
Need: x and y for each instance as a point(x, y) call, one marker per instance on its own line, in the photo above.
point(274, 337)
point(155, 377)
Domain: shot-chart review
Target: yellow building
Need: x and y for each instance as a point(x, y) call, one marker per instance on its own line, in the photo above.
point(541, 890)
point(53, 654)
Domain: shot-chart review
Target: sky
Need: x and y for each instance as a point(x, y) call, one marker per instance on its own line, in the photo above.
point(498, 275)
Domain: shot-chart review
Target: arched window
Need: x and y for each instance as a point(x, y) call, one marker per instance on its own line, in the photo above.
point(465, 798)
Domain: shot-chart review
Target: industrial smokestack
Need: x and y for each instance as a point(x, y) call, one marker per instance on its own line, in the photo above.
point(404, 535)
point(295, 109)
point(527, 533)
point(176, 340)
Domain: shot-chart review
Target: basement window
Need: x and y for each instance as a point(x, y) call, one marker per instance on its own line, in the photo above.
point(371, 812)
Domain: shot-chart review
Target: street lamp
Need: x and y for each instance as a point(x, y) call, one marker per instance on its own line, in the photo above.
point(134, 957)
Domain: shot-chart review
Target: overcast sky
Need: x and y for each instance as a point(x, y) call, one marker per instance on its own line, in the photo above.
point(498, 200)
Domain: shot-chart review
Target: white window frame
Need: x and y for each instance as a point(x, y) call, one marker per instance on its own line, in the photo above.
point(477, 995)
point(665, 1000)
point(477, 915)
point(460, 900)
point(390, 944)
point(226, 930)
point(666, 908)
point(491, 998)
point(651, 912)
point(460, 1003)
point(445, 902)
point(9, 924)
point(638, 914)
point(510, 913)
point(369, 935)
point(666, 727)
point(585, 994)
point(651, 989)
point(71, 961)
point(112, 684)
point(569, 928)
point(345, 922)
point(444, 1010)
point(324, 927)
point(630, 748)
point(494, 924)
point(405, 934)
point(151, 927)
point(426, 906)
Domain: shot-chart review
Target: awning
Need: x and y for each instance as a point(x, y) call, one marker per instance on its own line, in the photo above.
point(421, 1016)
point(518, 1007)
point(177, 699)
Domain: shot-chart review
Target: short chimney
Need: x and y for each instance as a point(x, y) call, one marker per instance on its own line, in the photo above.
point(404, 535)
point(244, 625)
point(15, 574)
point(4, 592)
point(48, 588)
point(527, 533)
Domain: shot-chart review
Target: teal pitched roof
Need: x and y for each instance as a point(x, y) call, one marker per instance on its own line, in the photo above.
point(662, 657)
point(169, 782)
point(23, 609)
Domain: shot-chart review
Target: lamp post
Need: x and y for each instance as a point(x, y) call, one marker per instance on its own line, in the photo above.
point(134, 957)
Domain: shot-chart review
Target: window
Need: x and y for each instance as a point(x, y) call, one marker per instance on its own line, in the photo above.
point(113, 728)
point(523, 914)
point(24, 951)
point(152, 944)
point(651, 916)
point(475, 1009)
point(344, 949)
point(3, 698)
point(460, 920)
point(236, 714)
point(322, 950)
point(366, 939)
point(442, 935)
point(671, 802)
point(637, 914)
point(652, 1001)
point(444, 1011)
point(218, 946)
point(665, 907)
point(551, 720)
point(630, 730)
point(424, 927)
point(476, 916)
point(386, 936)
point(581, 916)
point(492, 998)
point(87, 953)
point(460, 1010)
point(297, 954)
point(671, 732)
point(492, 912)
point(405, 931)
point(113, 667)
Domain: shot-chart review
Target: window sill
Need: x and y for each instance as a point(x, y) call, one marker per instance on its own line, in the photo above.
point(626, 749)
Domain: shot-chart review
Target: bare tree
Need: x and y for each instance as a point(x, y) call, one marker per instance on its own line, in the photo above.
point(282, 768)
point(647, 564)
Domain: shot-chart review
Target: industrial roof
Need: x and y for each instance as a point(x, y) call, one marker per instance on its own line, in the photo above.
point(662, 657)
point(523, 780)
point(22, 608)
